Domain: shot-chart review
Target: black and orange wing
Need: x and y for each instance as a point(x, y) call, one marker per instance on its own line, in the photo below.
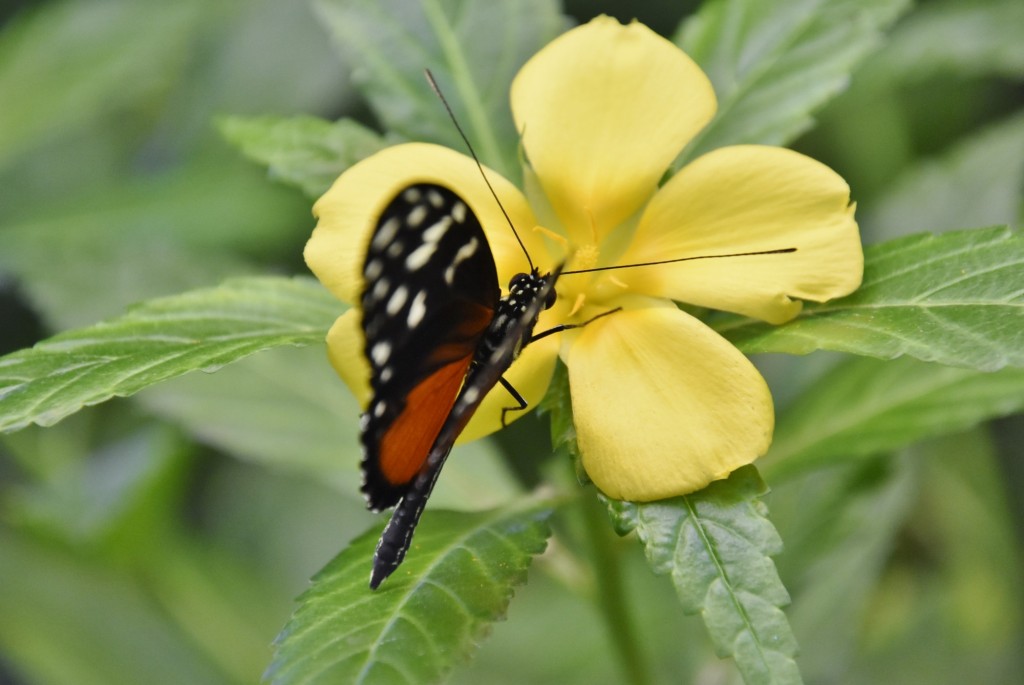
point(431, 292)
point(515, 323)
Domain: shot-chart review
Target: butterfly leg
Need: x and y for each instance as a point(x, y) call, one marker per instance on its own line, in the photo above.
point(515, 395)
point(570, 326)
point(522, 404)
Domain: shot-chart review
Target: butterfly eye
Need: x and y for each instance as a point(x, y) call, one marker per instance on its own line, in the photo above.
point(517, 282)
point(549, 301)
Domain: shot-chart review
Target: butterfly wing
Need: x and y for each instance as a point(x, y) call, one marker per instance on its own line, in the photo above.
point(509, 336)
point(431, 292)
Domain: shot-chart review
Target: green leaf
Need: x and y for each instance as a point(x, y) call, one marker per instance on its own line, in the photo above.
point(97, 495)
point(840, 527)
point(977, 182)
point(119, 507)
point(284, 408)
point(473, 48)
point(931, 620)
point(866, 407)
point(716, 544)
point(456, 581)
point(126, 241)
point(303, 151)
point(71, 621)
point(977, 38)
point(65, 64)
point(774, 63)
point(158, 340)
point(287, 409)
point(970, 510)
point(954, 299)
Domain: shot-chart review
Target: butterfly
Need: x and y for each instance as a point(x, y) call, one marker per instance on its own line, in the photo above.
point(438, 337)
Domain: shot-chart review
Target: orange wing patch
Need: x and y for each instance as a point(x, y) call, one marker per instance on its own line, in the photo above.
point(470, 320)
point(408, 440)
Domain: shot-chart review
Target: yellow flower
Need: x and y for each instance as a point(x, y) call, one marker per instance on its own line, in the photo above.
point(661, 403)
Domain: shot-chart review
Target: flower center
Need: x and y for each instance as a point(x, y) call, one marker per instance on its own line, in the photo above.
point(586, 257)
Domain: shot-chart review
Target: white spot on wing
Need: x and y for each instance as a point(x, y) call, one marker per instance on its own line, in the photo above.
point(435, 199)
point(418, 309)
point(464, 253)
point(417, 215)
point(373, 269)
point(397, 300)
point(380, 289)
point(437, 230)
point(412, 195)
point(459, 212)
point(385, 234)
point(386, 373)
point(380, 352)
point(420, 256)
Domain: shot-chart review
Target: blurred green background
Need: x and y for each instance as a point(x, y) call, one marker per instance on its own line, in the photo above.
point(163, 538)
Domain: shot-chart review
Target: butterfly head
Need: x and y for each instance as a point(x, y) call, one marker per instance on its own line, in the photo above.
point(527, 284)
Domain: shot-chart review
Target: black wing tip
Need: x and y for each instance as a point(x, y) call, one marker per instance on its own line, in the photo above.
point(381, 495)
point(379, 492)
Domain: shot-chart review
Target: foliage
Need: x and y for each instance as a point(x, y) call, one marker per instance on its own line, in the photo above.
point(338, 636)
point(716, 545)
point(953, 299)
point(157, 166)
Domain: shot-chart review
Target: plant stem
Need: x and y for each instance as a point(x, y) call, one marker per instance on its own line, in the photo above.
point(611, 595)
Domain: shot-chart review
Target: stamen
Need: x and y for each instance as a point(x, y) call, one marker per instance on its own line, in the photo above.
point(577, 305)
point(560, 239)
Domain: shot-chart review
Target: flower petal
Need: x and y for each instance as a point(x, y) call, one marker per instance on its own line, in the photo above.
point(345, 344)
point(603, 111)
point(530, 375)
point(663, 405)
point(349, 211)
point(743, 199)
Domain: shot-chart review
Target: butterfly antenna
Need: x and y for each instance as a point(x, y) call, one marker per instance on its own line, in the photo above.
point(785, 250)
point(465, 139)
